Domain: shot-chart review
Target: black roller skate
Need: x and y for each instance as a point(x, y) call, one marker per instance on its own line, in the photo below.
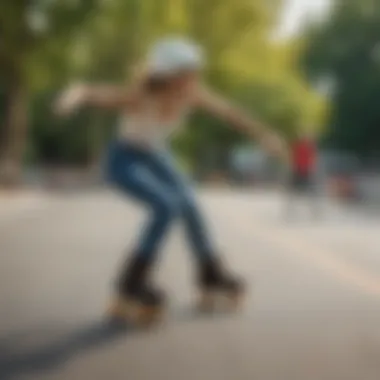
point(218, 288)
point(138, 302)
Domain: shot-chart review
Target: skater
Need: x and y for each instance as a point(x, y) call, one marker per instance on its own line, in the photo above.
point(139, 165)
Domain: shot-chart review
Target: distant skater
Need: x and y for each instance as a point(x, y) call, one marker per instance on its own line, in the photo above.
point(302, 180)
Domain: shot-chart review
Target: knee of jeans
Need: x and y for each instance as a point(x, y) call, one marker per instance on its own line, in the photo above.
point(186, 204)
point(167, 208)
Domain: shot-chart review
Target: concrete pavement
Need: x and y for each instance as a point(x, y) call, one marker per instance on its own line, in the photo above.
point(14, 203)
point(312, 312)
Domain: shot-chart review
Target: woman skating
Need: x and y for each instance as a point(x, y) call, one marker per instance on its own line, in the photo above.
point(140, 166)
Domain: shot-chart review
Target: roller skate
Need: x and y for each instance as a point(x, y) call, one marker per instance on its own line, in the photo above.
point(138, 302)
point(219, 290)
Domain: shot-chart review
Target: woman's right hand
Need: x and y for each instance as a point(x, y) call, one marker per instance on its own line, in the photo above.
point(275, 145)
point(70, 99)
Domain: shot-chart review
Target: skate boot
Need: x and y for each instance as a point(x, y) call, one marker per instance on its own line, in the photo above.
point(218, 289)
point(138, 301)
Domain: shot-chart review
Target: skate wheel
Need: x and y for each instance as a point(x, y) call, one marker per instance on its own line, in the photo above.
point(147, 316)
point(233, 302)
point(206, 302)
point(116, 310)
point(220, 301)
point(129, 312)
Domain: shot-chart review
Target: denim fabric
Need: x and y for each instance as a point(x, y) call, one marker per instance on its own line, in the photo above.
point(152, 179)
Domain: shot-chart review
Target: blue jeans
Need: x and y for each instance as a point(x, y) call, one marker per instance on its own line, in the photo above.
point(151, 178)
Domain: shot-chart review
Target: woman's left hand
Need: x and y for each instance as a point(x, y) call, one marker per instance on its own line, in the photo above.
point(70, 99)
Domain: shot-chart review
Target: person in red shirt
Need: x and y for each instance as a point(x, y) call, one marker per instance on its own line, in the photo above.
point(303, 163)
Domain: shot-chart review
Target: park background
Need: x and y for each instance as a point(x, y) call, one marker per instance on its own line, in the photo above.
point(299, 66)
point(312, 309)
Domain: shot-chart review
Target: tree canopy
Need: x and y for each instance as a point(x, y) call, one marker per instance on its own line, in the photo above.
point(44, 44)
point(346, 49)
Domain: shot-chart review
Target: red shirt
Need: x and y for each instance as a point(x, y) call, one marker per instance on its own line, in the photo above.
point(304, 156)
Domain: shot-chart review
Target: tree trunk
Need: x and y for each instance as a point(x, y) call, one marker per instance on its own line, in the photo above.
point(15, 134)
point(96, 145)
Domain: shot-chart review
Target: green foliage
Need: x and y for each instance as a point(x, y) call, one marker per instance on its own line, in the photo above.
point(346, 48)
point(96, 40)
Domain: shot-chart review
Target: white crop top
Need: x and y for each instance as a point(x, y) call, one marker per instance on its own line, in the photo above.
point(146, 128)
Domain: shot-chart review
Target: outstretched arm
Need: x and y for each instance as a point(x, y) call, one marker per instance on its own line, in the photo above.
point(101, 96)
point(219, 107)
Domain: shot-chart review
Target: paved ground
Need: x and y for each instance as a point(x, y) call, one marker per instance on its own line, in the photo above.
point(313, 309)
point(16, 203)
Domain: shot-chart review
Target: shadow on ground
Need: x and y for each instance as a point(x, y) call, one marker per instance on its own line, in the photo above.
point(16, 361)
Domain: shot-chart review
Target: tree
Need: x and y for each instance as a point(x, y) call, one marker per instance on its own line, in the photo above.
point(96, 40)
point(346, 48)
point(27, 30)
